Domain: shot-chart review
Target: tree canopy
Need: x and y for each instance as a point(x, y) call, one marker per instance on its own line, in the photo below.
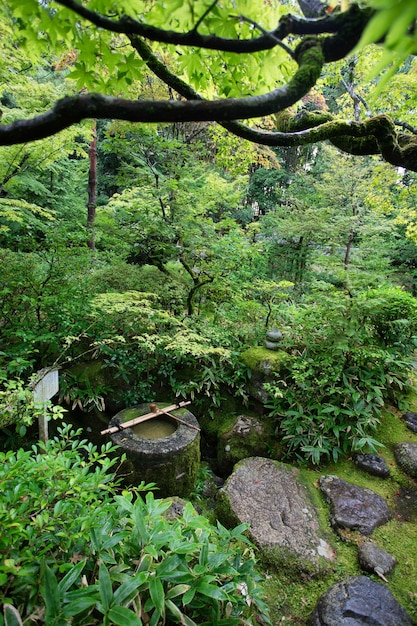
point(249, 66)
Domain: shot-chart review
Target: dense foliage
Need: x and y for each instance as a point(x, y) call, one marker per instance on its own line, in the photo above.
point(77, 550)
point(353, 355)
point(192, 265)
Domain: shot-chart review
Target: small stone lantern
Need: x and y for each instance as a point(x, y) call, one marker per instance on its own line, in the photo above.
point(273, 339)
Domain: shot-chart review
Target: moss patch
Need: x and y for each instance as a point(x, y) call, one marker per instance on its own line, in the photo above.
point(215, 422)
point(265, 361)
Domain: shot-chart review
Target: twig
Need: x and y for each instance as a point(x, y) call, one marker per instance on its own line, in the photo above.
point(179, 419)
point(202, 18)
point(267, 33)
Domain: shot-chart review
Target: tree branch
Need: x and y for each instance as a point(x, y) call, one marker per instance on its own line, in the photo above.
point(185, 90)
point(72, 110)
point(301, 129)
point(373, 136)
point(351, 22)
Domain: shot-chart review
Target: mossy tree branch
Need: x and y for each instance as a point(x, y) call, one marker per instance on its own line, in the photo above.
point(324, 40)
point(72, 110)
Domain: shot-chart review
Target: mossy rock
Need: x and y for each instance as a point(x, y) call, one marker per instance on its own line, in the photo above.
point(283, 521)
point(265, 366)
point(264, 361)
point(406, 457)
point(246, 436)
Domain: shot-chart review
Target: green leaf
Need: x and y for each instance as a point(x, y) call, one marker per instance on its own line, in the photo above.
point(182, 619)
point(170, 564)
point(79, 603)
point(203, 557)
point(379, 25)
point(129, 588)
point(156, 590)
point(211, 591)
point(52, 594)
point(237, 531)
point(177, 590)
point(105, 587)
point(11, 616)
point(398, 29)
point(121, 616)
point(71, 576)
point(188, 596)
point(125, 503)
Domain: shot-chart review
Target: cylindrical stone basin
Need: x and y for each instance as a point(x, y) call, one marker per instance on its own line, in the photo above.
point(160, 450)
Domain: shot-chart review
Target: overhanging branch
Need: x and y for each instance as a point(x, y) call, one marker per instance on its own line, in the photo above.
point(352, 137)
point(72, 110)
point(351, 22)
point(373, 136)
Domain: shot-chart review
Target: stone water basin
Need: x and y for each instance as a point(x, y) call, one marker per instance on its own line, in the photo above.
point(160, 450)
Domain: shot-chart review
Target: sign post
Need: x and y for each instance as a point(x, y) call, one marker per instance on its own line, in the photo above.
point(46, 387)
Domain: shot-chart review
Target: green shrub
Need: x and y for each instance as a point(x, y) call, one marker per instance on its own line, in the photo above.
point(75, 551)
point(392, 312)
point(18, 407)
point(350, 355)
point(120, 277)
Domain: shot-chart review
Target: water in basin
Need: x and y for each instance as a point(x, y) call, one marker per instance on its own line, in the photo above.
point(155, 428)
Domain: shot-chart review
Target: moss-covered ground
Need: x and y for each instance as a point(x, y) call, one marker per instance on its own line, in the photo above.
point(292, 600)
point(292, 597)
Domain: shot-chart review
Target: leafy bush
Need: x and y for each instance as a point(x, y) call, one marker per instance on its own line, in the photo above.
point(393, 315)
point(43, 299)
point(147, 348)
point(121, 277)
point(76, 551)
point(18, 407)
point(349, 356)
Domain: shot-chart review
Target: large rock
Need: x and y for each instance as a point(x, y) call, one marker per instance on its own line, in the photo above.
point(352, 507)
point(359, 601)
point(247, 436)
point(372, 464)
point(406, 457)
point(282, 520)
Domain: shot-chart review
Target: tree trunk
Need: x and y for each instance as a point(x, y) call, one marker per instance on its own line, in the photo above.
point(348, 248)
point(92, 189)
point(198, 283)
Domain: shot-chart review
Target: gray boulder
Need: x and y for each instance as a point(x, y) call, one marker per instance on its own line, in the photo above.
point(410, 419)
point(372, 464)
point(282, 520)
point(355, 508)
point(374, 559)
point(359, 601)
point(406, 457)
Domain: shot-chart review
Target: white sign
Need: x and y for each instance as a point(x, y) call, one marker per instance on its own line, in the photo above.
point(47, 385)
